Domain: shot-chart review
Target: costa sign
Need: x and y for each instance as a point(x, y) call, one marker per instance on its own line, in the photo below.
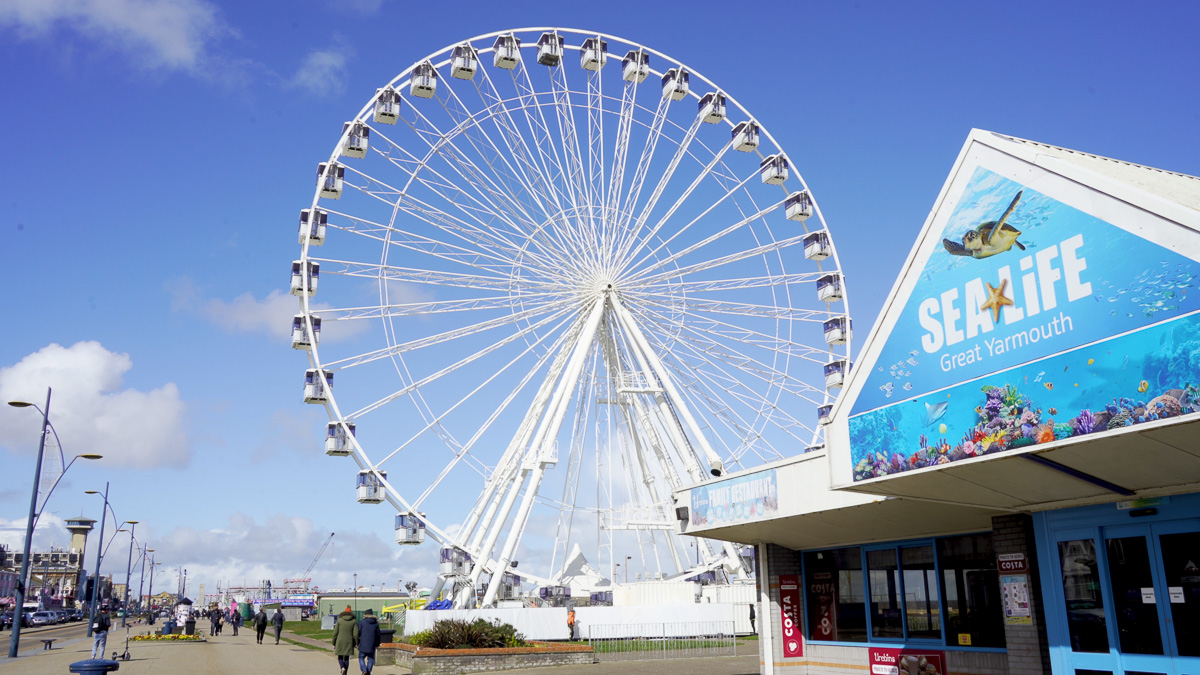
point(789, 605)
point(1011, 563)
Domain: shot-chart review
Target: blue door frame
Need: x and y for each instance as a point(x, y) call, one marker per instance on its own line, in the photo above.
point(1099, 525)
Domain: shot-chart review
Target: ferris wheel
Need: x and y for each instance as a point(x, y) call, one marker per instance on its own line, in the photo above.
point(563, 275)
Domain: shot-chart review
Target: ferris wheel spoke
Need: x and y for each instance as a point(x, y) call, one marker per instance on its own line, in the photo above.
point(595, 123)
point(696, 305)
point(634, 192)
point(396, 310)
point(539, 130)
point(679, 232)
point(423, 277)
point(695, 268)
point(693, 287)
point(575, 179)
point(448, 336)
point(464, 450)
point(621, 149)
point(733, 257)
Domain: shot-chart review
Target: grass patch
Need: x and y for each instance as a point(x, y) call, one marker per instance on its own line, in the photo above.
point(308, 629)
point(305, 645)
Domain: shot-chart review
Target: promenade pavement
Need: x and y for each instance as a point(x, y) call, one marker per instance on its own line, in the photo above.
point(239, 655)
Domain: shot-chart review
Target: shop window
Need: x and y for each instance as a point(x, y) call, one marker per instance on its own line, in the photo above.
point(907, 592)
point(833, 583)
point(974, 610)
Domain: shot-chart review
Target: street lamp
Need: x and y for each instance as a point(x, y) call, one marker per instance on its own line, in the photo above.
point(128, 573)
point(627, 559)
point(142, 581)
point(356, 593)
point(101, 550)
point(19, 608)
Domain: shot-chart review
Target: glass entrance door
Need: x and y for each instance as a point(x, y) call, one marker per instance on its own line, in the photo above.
point(1132, 596)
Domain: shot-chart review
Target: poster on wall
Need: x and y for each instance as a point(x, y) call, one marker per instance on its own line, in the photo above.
point(1031, 322)
point(789, 607)
point(1015, 589)
point(902, 661)
point(735, 500)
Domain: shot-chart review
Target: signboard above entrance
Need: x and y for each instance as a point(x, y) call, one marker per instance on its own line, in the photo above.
point(1035, 309)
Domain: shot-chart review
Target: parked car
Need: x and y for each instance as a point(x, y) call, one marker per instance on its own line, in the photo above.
point(76, 615)
point(42, 619)
point(6, 620)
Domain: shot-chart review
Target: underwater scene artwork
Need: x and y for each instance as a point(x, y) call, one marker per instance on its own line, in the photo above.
point(986, 356)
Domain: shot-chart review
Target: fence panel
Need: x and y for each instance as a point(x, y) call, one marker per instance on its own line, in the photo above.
point(678, 640)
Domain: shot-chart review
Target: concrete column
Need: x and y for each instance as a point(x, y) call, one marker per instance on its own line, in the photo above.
point(1028, 648)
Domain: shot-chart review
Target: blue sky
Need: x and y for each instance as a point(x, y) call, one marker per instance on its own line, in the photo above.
point(157, 153)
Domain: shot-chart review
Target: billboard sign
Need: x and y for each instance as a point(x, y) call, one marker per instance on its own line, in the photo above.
point(735, 500)
point(789, 607)
point(1030, 321)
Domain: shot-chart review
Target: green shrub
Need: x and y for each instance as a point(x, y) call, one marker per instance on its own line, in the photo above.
point(477, 634)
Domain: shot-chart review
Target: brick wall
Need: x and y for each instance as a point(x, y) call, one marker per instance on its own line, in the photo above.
point(1028, 650)
point(780, 560)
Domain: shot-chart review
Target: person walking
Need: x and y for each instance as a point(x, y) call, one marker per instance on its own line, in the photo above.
point(570, 623)
point(212, 623)
point(277, 622)
point(100, 632)
point(368, 641)
point(236, 621)
point(752, 619)
point(260, 624)
point(345, 638)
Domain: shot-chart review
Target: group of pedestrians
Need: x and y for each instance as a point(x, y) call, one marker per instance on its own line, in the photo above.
point(218, 619)
point(261, 621)
point(350, 636)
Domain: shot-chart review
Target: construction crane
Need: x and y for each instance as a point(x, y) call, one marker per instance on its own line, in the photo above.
point(304, 577)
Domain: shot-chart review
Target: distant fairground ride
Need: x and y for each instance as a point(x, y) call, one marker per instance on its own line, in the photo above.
point(611, 270)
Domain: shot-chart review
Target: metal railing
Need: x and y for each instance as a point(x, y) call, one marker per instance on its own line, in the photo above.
point(646, 641)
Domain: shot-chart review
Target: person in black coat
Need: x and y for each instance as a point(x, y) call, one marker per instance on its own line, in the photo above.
point(260, 624)
point(277, 622)
point(368, 641)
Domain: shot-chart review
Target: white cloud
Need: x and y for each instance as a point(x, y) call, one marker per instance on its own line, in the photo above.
point(323, 72)
point(171, 34)
point(271, 315)
point(90, 410)
point(282, 546)
point(50, 530)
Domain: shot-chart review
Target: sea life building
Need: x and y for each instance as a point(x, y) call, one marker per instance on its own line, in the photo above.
point(1011, 477)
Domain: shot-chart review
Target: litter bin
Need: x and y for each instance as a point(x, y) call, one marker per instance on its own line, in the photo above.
point(94, 666)
point(189, 627)
point(386, 635)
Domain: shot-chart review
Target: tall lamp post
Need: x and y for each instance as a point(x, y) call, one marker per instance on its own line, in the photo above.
point(19, 608)
point(101, 549)
point(128, 574)
point(142, 581)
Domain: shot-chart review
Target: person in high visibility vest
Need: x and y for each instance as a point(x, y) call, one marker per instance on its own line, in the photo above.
point(571, 623)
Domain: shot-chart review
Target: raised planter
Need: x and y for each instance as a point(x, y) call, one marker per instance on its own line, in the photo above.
point(423, 660)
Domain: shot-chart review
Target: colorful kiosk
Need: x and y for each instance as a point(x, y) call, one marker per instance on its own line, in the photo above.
point(1011, 477)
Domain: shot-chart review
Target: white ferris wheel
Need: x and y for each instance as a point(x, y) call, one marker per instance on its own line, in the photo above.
point(563, 275)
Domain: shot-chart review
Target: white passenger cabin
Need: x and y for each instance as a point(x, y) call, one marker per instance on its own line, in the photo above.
point(835, 374)
point(773, 169)
point(410, 529)
point(675, 83)
point(357, 138)
point(635, 66)
point(508, 52)
point(338, 438)
point(370, 486)
point(424, 81)
point(555, 596)
point(387, 106)
point(712, 107)
point(824, 414)
point(745, 136)
point(455, 562)
point(817, 246)
point(329, 178)
point(829, 287)
point(300, 337)
point(510, 587)
point(550, 49)
point(317, 384)
point(837, 330)
point(594, 54)
point(303, 272)
point(799, 206)
point(312, 226)
point(464, 63)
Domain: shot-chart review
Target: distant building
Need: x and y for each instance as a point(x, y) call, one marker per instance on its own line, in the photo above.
point(55, 575)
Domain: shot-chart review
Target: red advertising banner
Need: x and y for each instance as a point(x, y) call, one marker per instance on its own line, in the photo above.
point(902, 661)
point(789, 604)
point(822, 612)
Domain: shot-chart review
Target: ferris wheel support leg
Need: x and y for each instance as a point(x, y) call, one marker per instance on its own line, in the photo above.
point(648, 481)
point(714, 461)
point(546, 435)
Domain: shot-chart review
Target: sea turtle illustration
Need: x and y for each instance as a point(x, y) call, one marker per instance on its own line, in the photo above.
point(990, 238)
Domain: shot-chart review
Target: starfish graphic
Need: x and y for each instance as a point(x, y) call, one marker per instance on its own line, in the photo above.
point(996, 300)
